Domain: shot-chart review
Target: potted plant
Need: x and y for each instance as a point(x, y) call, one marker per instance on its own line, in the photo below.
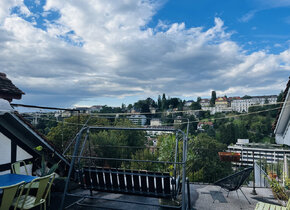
point(229, 156)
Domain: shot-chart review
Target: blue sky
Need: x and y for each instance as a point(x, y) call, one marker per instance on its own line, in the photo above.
point(78, 53)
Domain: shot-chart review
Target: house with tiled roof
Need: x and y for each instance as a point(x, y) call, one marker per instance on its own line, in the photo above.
point(200, 125)
point(282, 123)
point(18, 138)
point(221, 102)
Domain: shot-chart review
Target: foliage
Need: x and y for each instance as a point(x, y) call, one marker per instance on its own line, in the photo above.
point(116, 143)
point(145, 154)
point(203, 161)
point(213, 98)
point(44, 171)
point(65, 131)
point(278, 190)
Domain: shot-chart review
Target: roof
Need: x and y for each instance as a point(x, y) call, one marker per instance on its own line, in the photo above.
point(221, 99)
point(205, 123)
point(285, 93)
point(8, 90)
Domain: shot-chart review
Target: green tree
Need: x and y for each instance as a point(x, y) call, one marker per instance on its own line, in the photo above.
point(203, 163)
point(65, 131)
point(280, 96)
point(213, 98)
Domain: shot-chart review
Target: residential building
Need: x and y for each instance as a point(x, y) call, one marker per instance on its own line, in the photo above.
point(188, 103)
point(221, 102)
point(96, 108)
point(138, 119)
point(204, 102)
point(242, 105)
point(200, 125)
point(159, 132)
point(155, 122)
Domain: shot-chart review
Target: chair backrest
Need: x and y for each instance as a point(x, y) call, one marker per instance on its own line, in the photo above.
point(234, 181)
point(16, 167)
point(288, 205)
point(44, 187)
point(9, 193)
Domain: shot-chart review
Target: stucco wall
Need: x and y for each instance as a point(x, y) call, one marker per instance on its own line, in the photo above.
point(5, 154)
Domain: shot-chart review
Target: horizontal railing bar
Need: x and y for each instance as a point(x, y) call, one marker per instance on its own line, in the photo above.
point(118, 200)
point(133, 129)
point(119, 159)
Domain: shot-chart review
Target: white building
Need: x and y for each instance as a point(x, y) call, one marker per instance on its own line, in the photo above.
point(204, 102)
point(242, 105)
point(138, 119)
point(217, 109)
point(155, 122)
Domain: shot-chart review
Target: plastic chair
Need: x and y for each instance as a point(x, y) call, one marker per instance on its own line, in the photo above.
point(11, 193)
point(28, 201)
point(16, 167)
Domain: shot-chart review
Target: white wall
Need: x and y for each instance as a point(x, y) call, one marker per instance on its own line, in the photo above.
point(22, 155)
point(5, 149)
point(5, 154)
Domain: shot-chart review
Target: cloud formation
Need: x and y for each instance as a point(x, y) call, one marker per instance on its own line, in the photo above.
point(105, 49)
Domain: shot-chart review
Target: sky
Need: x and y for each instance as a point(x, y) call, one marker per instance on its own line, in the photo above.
point(66, 53)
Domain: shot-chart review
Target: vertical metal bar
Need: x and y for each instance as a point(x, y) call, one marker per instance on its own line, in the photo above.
point(184, 170)
point(83, 146)
point(254, 180)
point(175, 159)
point(71, 167)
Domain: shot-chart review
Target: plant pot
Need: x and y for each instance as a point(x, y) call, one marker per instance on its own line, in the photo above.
point(229, 156)
point(273, 175)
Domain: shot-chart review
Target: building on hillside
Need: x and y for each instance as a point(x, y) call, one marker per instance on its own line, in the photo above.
point(155, 122)
point(204, 102)
point(152, 110)
point(217, 109)
point(282, 123)
point(242, 105)
point(201, 125)
point(138, 119)
point(177, 120)
point(221, 102)
point(8, 90)
point(188, 103)
point(166, 130)
point(96, 108)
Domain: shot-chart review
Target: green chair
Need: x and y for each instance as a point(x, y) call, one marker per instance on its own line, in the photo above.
point(28, 201)
point(16, 167)
point(266, 206)
point(11, 193)
point(16, 170)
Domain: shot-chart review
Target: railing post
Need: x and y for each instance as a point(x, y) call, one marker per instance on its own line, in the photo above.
point(78, 140)
point(254, 175)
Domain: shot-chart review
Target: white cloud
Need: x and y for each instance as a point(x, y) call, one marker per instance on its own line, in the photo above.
point(120, 56)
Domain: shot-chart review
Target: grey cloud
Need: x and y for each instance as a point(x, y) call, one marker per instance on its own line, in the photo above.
point(132, 62)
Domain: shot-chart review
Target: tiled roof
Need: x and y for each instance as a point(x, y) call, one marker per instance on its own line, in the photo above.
point(8, 90)
point(281, 105)
point(205, 123)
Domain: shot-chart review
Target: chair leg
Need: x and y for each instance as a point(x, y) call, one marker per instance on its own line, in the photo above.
point(228, 194)
point(245, 196)
point(237, 194)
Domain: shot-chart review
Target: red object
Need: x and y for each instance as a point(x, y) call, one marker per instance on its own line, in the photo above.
point(229, 156)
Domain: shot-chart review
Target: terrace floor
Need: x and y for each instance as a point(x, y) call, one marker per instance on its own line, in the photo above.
point(203, 197)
